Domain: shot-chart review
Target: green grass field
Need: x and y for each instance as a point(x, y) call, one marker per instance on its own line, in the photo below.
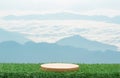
point(85, 71)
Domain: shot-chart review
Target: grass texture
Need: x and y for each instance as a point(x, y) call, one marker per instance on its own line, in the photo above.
point(34, 71)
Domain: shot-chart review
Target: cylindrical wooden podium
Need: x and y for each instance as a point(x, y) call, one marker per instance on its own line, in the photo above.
point(59, 67)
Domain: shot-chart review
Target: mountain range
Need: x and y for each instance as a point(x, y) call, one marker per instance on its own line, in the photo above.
point(74, 49)
point(30, 52)
point(64, 16)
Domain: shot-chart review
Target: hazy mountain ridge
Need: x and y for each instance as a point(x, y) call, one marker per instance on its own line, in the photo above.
point(64, 16)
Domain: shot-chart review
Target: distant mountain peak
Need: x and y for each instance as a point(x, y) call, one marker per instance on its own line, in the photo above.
point(81, 42)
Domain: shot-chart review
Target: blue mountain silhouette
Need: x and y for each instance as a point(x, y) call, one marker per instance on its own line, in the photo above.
point(12, 36)
point(31, 52)
point(80, 42)
point(64, 16)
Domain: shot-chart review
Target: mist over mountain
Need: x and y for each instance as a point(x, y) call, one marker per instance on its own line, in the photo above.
point(12, 36)
point(64, 16)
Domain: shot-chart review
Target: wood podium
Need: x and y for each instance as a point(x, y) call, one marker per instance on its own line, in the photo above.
point(59, 67)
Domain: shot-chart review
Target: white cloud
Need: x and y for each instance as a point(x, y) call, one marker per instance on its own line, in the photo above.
point(104, 12)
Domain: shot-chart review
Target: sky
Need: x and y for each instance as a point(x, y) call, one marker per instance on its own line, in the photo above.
point(101, 7)
point(53, 30)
